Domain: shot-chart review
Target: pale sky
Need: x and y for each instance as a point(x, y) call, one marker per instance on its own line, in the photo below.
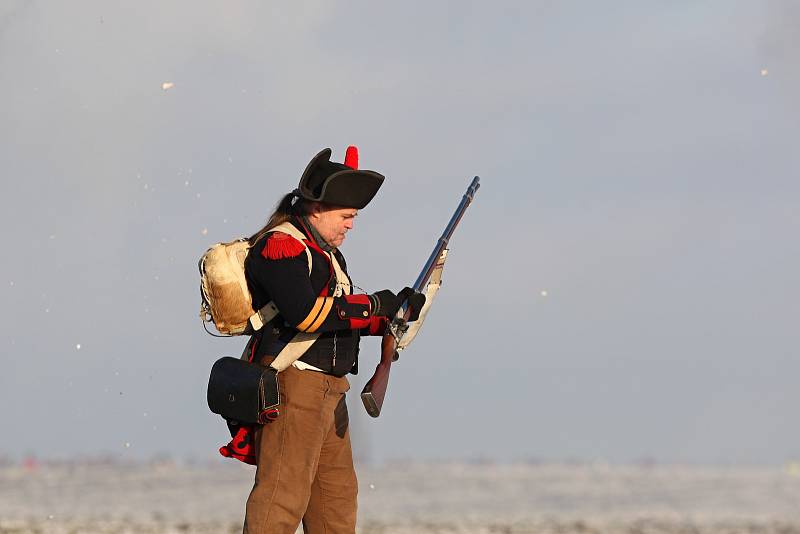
point(639, 165)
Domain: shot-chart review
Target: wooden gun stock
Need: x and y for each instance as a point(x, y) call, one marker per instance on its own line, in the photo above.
point(374, 392)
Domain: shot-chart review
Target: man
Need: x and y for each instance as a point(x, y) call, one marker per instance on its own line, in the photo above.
point(305, 466)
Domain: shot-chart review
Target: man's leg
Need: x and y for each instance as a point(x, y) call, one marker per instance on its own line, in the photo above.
point(288, 451)
point(332, 504)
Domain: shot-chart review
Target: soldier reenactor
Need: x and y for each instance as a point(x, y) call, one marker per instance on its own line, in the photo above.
point(304, 461)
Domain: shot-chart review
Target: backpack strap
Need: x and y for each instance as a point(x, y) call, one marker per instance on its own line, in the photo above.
point(270, 310)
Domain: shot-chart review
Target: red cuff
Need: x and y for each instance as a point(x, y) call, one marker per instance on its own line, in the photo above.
point(377, 325)
point(356, 310)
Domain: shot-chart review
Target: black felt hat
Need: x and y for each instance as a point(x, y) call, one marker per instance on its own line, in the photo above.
point(338, 184)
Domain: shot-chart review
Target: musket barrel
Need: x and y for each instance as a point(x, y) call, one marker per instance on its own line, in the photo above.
point(425, 274)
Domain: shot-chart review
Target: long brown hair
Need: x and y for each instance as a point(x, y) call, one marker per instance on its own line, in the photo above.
point(284, 211)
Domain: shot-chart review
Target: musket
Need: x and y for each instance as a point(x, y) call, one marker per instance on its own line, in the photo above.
point(374, 391)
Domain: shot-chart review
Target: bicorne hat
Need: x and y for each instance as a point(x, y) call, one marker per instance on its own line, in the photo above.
point(338, 184)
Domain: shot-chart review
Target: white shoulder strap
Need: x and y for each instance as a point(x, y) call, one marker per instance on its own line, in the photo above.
point(342, 281)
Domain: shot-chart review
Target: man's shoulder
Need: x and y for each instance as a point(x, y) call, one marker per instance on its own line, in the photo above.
point(281, 242)
point(279, 245)
point(279, 252)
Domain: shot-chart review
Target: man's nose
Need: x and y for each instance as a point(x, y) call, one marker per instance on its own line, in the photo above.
point(348, 224)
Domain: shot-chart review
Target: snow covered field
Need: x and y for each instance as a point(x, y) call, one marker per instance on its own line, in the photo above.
point(413, 498)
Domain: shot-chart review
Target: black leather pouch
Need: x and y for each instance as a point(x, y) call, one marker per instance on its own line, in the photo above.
point(242, 391)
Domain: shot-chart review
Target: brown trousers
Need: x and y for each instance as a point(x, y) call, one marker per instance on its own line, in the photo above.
point(305, 463)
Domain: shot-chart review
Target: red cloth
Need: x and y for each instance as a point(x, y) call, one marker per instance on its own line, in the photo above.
point(242, 446)
point(357, 322)
point(351, 157)
point(280, 245)
point(377, 325)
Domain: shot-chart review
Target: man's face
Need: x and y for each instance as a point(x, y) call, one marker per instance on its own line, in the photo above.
point(332, 222)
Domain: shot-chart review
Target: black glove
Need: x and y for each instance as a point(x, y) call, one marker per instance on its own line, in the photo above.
point(385, 303)
point(415, 302)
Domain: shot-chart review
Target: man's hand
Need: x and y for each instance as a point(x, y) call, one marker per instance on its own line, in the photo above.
point(385, 303)
point(415, 302)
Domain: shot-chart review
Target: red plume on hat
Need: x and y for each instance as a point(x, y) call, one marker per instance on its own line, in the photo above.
point(351, 157)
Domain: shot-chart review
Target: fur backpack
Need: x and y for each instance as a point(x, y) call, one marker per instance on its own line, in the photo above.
point(225, 298)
